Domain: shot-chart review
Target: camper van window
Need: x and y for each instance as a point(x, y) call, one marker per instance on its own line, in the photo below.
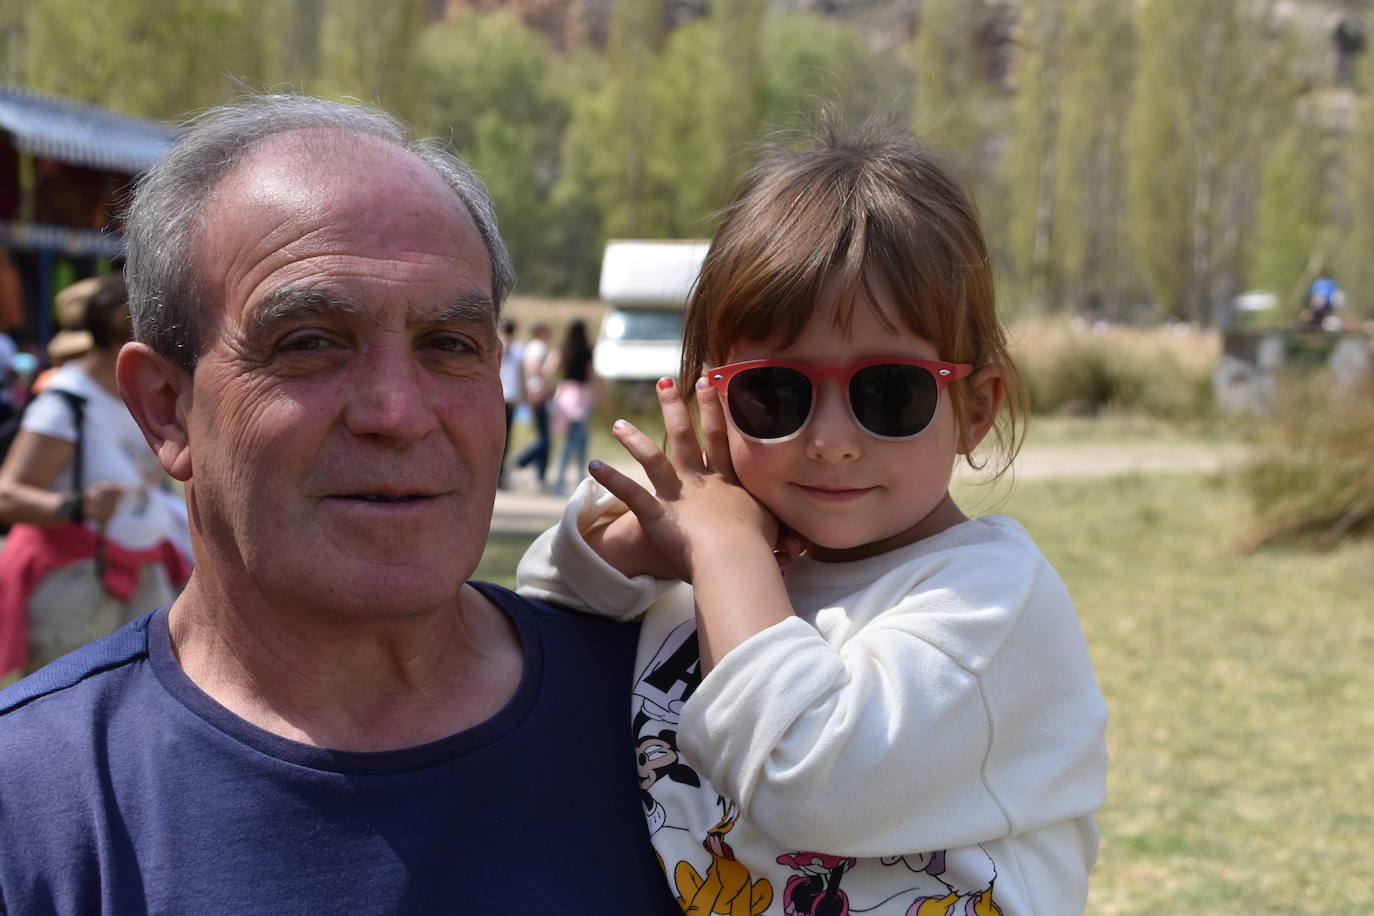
point(649, 324)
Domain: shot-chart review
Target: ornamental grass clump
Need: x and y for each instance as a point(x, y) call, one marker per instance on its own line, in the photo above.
point(1150, 372)
point(1312, 480)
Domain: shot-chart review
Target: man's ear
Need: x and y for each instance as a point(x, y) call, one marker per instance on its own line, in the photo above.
point(157, 392)
point(987, 389)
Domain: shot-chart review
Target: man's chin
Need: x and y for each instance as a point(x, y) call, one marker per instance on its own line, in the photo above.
point(383, 588)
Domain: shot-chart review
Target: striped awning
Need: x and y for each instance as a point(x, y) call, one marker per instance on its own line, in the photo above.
point(51, 127)
point(74, 242)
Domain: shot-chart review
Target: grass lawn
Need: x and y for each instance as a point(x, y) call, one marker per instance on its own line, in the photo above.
point(1240, 687)
point(1240, 690)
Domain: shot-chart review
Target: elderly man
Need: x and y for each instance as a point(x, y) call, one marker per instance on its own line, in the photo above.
point(330, 718)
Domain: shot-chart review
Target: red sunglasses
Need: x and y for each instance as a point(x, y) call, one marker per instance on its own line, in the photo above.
point(770, 400)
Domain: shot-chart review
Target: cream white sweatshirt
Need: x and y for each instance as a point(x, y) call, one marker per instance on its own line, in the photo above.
point(925, 737)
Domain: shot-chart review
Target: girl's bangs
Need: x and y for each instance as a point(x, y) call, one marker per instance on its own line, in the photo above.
point(769, 277)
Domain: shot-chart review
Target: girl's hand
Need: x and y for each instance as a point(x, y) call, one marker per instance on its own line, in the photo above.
point(698, 509)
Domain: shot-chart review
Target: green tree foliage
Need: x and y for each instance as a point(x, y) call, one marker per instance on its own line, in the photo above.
point(286, 48)
point(955, 106)
point(12, 40)
point(1066, 159)
point(815, 64)
point(1091, 235)
point(1356, 267)
point(487, 83)
point(610, 137)
point(1034, 158)
point(1121, 151)
point(366, 50)
point(1204, 108)
point(155, 58)
point(1290, 242)
point(707, 93)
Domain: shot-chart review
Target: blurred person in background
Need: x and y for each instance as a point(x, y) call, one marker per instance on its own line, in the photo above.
point(512, 383)
point(72, 339)
point(573, 401)
point(541, 363)
point(1324, 297)
point(92, 545)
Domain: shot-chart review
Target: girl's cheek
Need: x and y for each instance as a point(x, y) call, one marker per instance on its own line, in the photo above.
point(747, 457)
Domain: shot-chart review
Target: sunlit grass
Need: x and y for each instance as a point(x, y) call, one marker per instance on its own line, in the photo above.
point(1240, 693)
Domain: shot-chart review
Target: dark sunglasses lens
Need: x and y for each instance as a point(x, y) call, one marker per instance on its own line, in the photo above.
point(769, 403)
point(894, 400)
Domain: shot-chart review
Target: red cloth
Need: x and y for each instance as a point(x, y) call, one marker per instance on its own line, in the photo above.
point(31, 553)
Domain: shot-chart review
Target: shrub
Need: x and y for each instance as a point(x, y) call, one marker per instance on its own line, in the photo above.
point(1312, 480)
point(1154, 372)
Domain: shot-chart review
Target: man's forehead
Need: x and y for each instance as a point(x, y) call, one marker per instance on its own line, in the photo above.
point(307, 206)
point(318, 162)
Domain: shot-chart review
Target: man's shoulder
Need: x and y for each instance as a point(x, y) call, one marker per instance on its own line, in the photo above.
point(125, 645)
point(543, 612)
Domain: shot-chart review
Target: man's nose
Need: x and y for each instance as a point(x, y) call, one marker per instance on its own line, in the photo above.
point(832, 435)
point(388, 396)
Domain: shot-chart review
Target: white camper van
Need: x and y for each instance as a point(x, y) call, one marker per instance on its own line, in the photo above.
point(646, 285)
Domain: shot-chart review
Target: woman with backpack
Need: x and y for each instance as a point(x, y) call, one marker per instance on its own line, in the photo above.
point(90, 548)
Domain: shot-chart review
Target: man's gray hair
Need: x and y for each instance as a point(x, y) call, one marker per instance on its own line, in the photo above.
point(167, 299)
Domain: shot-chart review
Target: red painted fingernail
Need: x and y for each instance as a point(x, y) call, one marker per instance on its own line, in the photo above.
point(664, 384)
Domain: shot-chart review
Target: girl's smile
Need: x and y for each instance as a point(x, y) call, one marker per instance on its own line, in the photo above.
point(836, 493)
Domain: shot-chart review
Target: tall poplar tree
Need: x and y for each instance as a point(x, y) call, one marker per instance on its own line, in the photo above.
point(956, 107)
point(155, 58)
point(12, 40)
point(1352, 250)
point(1205, 109)
point(708, 92)
point(1091, 238)
point(486, 83)
point(1034, 162)
point(607, 147)
point(367, 50)
point(815, 63)
point(1292, 239)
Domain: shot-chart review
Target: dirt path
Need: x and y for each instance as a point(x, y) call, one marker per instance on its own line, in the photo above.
point(520, 511)
point(1105, 461)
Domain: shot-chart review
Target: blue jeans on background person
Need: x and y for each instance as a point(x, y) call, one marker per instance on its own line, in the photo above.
point(537, 452)
point(574, 444)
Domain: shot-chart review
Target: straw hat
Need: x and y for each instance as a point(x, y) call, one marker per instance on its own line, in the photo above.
point(67, 344)
point(71, 302)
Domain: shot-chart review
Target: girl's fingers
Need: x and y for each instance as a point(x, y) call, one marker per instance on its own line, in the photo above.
point(714, 440)
point(677, 423)
point(639, 500)
point(656, 465)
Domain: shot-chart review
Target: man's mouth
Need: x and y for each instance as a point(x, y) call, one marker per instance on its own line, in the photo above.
point(380, 498)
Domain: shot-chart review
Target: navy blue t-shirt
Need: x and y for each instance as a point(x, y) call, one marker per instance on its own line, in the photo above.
point(126, 789)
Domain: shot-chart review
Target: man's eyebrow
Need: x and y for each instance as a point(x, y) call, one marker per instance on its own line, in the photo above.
point(283, 303)
point(473, 307)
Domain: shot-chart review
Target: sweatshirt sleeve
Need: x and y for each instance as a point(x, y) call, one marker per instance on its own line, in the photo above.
point(561, 568)
point(965, 713)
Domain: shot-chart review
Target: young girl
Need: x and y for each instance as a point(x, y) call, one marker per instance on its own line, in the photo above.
point(865, 701)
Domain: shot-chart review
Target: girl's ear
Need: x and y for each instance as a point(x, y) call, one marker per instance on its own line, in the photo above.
point(987, 389)
point(157, 392)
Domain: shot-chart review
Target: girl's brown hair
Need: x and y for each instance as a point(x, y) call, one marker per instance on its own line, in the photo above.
point(874, 204)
